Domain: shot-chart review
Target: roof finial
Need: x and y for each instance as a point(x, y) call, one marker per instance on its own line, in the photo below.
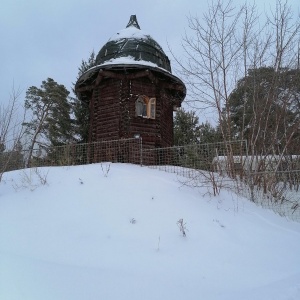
point(133, 22)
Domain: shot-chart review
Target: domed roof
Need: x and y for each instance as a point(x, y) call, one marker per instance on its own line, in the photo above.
point(133, 46)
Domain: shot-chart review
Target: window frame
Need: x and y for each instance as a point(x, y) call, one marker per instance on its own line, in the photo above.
point(145, 107)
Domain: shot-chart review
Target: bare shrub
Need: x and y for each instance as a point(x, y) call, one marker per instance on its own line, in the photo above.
point(12, 116)
point(105, 169)
point(182, 227)
point(31, 179)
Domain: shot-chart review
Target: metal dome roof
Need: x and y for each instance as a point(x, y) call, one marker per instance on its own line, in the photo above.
point(132, 43)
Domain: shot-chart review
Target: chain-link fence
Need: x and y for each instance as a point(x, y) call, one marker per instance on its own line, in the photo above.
point(270, 181)
point(196, 157)
point(123, 150)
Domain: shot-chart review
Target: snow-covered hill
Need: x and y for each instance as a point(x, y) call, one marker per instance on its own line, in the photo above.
point(109, 231)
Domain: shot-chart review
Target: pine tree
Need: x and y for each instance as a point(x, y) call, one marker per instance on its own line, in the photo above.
point(81, 108)
point(186, 128)
point(265, 110)
point(50, 108)
point(209, 134)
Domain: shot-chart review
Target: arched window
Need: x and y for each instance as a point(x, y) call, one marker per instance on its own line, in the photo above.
point(145, 107)
point(141, 107)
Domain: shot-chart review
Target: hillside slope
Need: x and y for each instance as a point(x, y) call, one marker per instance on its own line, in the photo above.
point(109, 231)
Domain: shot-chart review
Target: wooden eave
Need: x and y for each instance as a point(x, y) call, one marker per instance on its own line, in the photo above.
point(95, 76)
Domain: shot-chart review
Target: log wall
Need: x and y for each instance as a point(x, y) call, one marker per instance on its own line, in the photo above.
point(112, 110)
point(105, 111)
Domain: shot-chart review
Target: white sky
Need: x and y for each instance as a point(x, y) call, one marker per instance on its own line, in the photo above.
point(41, 39)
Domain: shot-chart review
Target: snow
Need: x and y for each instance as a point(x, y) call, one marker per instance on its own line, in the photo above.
point(136, 34)
point(130, 33)
point(109, 231)
point(130, 60)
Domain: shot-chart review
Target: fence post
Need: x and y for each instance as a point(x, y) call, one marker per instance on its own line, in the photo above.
point(141, 151)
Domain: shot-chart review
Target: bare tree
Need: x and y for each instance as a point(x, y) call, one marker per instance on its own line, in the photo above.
point(12, 116)
point(244, 68)
point(216, 48)
point(213, 53)
point(269, 92)
point(221, 48)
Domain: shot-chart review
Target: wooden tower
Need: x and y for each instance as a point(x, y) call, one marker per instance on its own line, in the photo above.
point(131, 90)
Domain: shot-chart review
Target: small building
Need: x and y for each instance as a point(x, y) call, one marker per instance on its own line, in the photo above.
point(131, 91)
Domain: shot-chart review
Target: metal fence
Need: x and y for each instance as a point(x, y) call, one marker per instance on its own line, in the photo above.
point(216, 166)
point(212, 165)
point(124, 151)
point(268, 181)
point(196, 157)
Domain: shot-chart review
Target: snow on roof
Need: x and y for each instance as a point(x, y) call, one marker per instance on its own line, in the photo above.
point(130, 60)
point(136, 45)
point(130, 32)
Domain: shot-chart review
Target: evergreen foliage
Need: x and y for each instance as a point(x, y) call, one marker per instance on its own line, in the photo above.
point(186, 128)
point(50, 108)
point(209, 134)
point(266, 105)
point(81, 108)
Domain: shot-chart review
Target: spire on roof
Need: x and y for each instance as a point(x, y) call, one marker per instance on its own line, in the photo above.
point(133, 22)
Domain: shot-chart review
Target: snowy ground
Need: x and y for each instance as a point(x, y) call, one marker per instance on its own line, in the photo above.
point(109, 232)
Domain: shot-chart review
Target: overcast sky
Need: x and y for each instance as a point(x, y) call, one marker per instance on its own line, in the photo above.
point(49, 38)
